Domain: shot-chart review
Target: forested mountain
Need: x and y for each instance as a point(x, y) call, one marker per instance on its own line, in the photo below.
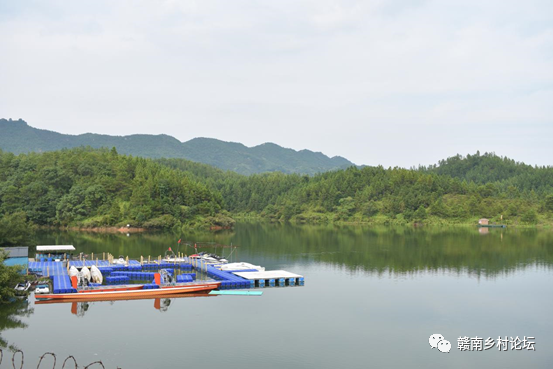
point(505, 173)
point(18, 137)
point(87, 187)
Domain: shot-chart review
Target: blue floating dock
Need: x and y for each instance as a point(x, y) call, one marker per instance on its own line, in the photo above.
point(116, 274)
point(48, 268)
point(88, 263)
point(62, 284)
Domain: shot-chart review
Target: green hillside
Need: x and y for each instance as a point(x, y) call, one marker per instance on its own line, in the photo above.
point(378, 195)
point(504, 173)
point(18, 137)
point(84, 187)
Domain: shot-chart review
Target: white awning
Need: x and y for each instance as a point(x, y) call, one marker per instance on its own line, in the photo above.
point(56, 248)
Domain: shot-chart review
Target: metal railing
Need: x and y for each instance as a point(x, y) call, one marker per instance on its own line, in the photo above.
point(70, 361)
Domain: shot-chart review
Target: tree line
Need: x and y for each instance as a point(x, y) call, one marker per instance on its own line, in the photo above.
point(92, 188)
point(87, 187)
point(459, 190)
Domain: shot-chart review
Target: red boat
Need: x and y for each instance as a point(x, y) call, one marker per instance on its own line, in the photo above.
point(126, 294)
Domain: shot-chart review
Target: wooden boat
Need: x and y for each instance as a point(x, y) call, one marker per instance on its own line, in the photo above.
point(492, 226)
point(129, 294)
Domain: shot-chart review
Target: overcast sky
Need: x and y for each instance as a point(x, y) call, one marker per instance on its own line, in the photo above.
point(377, 82)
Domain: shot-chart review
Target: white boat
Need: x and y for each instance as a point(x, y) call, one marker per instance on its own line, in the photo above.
point(213, 259)
point(73, 272)
point(21, 288)
point(96, 275)
point(42, 288)
point(241, 266)
point(209, 258)
point(174, 260)
point(120, 261)
point(86, 273)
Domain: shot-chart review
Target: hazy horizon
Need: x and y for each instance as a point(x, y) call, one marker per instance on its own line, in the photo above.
point(379, 83)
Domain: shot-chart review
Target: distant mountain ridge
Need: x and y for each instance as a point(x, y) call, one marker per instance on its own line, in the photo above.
point(18, 137)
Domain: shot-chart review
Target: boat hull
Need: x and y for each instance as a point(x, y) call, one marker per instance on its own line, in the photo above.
point(130, 298)
point(130, 294)
point(112, 289)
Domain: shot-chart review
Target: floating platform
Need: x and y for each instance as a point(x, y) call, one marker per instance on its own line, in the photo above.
point(118, 276)
point(89, 263)
point(273, 277)
point(48, 268)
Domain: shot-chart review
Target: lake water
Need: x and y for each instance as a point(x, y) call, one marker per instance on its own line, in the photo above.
point(372, 298)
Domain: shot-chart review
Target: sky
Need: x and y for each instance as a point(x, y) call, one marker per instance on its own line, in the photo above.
point(392, 83)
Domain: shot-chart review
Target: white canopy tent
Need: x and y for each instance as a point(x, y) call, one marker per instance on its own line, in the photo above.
point(55, 248)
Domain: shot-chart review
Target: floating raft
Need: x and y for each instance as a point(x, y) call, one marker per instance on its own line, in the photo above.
point(118, 276)
point(270, 278)
point(237, 293)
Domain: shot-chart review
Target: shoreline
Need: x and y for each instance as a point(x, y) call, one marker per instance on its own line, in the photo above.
point(103, 229)
point(378, 223)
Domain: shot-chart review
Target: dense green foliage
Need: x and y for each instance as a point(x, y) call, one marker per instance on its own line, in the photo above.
point(9, 277)
point(378, 195)
point(85, 187)
point(91, 188)
point(18, 137)
point(504, 173)
point(14, 229)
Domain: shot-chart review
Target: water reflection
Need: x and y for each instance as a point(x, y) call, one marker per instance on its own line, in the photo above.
point(80, 308)
point(400, 250)
point(371, 299)
point(10, 315)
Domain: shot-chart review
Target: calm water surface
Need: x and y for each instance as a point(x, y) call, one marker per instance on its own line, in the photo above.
point(372, 298)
